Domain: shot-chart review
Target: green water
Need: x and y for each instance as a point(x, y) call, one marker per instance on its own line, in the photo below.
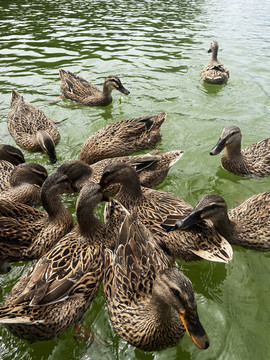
point(158, 49)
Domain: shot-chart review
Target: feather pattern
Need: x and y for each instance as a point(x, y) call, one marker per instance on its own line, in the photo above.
point(123, 138)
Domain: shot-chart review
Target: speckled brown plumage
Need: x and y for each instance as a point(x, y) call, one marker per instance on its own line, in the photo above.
point(31, 128)
point(251, 161)
point(152, 169)
point(214, 72)
point(25, 183)
point(123, 138)
point(144, 294)
point(247, 225)
point(27, 233)
point(155, 208)
point(80, 90)
point(58, 289)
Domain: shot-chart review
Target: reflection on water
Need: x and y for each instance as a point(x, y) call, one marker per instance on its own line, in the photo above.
point(158, 49)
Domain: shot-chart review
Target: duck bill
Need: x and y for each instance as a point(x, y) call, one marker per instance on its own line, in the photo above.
point(192, 219)
point(219, 147)
point(123, 90)
point(195, 329)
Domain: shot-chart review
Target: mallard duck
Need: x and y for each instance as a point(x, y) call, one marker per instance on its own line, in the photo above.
point(151, 304)
point(246, 225)
point(31, 128)
point(154, 207)
point(151, 168)
point(25, 184)
point(4, 267)
point(123, 138)
point(78, 89)
point(58, 289)
point(251, 161)
point(27, 233)
point(10, 156)
point(214, 72)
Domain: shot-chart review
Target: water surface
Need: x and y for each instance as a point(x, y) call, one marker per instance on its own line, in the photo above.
point(158, 49)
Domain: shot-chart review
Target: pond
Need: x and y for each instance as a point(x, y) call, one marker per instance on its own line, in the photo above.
point(158, 49)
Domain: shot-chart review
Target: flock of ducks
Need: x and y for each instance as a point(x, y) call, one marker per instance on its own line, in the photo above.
point(151, 303)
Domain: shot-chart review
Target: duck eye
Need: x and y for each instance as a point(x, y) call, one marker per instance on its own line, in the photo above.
point(175, 292)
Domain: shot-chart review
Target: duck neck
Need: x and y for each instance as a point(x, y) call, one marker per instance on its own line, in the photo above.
point(52, 203)
point(214, 54)
point(131, 188)
point(106, 91)
point(223, 225)
point(234, 150)
point(87, 221)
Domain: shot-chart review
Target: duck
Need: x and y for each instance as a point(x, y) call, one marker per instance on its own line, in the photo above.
point(123, 138)
point(214, 72)
point(154, 207)
point(80, 90)
point(58, 289)
point(151, 304)
point(152, 169)
point(26, 233)
point(25, 183)
point(247, 225)
point(10, 156)
point(31, 128)
point(4, 267)
point(253, 161)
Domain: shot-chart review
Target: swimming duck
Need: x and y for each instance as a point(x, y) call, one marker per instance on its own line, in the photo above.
point(214, 72)
point(154, 207)
point(59, 288)
point(25, 183)
point(247, 225)
point(251, 161)
point(78, 89)
point(151, 304)
point(123, 138)
point(31, 128)
point(27, 233)
point(152, 169)
point(10, 156)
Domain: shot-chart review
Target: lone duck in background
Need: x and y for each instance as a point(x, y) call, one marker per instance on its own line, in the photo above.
point(251, 161)
point(247, 225)
point(78, 89)
point(58, 289)
point(151, 304)
point(123, 138)
point(10, 156)
point(25, 183)
point(153, 208)
point(31, 128)
point(214, 72)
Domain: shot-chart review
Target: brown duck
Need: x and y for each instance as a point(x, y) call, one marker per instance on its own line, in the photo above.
point(80, 90)
point(31, 128)
point(155, 207)
point(58, 289)
point(27, 233)
point(251, 161)
point(123, 138)
point(214, 72)
point(151, 304)
point(25, 183)
point(151, 168)
point(247, 225)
